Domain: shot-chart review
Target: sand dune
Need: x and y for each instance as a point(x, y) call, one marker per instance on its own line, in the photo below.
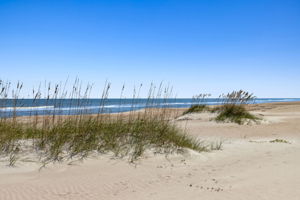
point(248, 166)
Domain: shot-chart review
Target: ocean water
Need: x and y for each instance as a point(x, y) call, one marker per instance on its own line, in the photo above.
point(28, 107)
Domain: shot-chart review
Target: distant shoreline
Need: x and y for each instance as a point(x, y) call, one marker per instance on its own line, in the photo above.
point(42, 107)
point(174, 111)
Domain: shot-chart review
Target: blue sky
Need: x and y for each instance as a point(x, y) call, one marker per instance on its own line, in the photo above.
point(196, 46)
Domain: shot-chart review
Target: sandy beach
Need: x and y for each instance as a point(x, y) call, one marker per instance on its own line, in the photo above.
point(249, 166)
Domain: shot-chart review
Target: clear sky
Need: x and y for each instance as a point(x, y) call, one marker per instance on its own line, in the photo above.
point(194, 45)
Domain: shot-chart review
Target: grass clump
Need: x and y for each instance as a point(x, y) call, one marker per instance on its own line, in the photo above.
point(233, 108)
point(234, 113)
point(80, 138)
point(218, 145)
point(196, 108)
point(55, 137)
point(199, 105)
point(279, 141)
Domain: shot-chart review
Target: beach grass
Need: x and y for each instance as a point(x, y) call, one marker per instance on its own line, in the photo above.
point(73, 138)
point(56, 138)
point(232, 108)
point(199, 104)
point(234, 113)
point(279, 141)
point(196, 109)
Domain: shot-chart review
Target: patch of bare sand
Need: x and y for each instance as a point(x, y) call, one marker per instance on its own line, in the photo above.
point(248, 167)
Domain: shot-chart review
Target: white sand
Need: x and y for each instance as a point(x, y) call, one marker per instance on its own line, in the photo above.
point(248, 167)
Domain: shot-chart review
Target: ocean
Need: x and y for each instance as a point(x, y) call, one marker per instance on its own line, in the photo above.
point(28, 107)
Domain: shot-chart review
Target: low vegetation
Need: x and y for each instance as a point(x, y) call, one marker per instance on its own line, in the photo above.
point(218, 145)
point(272, 141)
point(197, 108)
point(73, 138)
point(232, 108)
point(56, 138)
point(279, 141)
point(199, 104)
point(234, 113)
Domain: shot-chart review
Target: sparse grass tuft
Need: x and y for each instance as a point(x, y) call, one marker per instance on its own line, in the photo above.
point(196, 108)
point(216, 145)
point(279, 141)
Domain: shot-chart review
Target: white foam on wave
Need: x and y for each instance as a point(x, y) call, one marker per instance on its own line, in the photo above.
point(26, 108)
point(122, 106)
point(53, 108)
